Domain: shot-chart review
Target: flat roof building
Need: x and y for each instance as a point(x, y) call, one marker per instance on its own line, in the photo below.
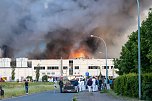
point(55, 67)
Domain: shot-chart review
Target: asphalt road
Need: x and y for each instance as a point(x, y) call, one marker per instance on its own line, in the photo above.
point(45, 96)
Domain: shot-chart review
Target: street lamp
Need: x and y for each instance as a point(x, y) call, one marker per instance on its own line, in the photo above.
point(139, 61)
point(100, 65)
point(106, 55)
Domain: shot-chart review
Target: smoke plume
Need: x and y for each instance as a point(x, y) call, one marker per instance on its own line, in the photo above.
point(56, 28)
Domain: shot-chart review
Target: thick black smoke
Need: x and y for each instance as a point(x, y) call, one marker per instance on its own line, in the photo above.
point(54, 28)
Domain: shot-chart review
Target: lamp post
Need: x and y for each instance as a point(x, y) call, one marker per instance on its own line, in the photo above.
point(100, 65)
point(106, 55)
point(139, 62)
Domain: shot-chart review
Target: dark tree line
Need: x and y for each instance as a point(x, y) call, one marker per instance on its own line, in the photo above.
point(128, 60)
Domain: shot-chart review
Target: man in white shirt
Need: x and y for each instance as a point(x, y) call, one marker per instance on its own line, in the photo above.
point(93, 84)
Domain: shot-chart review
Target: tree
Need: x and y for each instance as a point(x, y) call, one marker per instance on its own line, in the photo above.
point(13, 73)
point(128, 60)
point(37, 73)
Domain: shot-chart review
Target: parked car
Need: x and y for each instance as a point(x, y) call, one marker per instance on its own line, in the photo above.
point(69, 87)
point(2, 79)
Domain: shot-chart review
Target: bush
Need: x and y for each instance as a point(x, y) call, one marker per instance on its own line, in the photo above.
point(45, 78)
point(147, 86)
point(127, 85)
point(29, 78)
point(74, 99)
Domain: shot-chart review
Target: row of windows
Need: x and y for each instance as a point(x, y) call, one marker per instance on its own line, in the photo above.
point(53, 67)
point(76, 67)
point(53, 73)
point(41, 68)
point(104, 67)
point(98, 67)
point(94, 67)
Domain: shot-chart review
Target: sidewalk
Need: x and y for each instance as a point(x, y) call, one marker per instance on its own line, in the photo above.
point(96, 96)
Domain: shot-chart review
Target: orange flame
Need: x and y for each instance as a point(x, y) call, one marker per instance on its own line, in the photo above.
point(79, 53)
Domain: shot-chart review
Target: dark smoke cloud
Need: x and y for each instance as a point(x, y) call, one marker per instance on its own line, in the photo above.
point(54, 28)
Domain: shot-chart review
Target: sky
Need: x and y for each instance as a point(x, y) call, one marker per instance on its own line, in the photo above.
point(58, 28)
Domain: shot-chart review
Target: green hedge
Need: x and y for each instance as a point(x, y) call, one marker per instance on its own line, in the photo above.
point(127, 85)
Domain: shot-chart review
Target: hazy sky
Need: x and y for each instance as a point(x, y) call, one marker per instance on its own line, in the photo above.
point(51, 26)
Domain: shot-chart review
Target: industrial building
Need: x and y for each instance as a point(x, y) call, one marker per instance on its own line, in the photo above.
point(24, 67)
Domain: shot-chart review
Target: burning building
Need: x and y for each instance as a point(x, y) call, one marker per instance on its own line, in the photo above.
point(51, 29)
point(55, 68)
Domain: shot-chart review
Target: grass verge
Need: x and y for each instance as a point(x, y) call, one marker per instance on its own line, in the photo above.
point(112, 93)
point(74, 99)
point(13, 89)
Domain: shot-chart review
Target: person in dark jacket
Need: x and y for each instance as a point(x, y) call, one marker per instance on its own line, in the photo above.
point(26, 86)
point(76, 83)
point(89, 84)
point(1, 93)
point(100, 84)
point(61, 85)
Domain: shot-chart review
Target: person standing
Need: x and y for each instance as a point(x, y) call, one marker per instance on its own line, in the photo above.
point(76, 85)
point(97, 83)
point(1, 93)
point(93, 84)
point(26, 86)
point(55, 86)
point(83, 84)
point(61, 85)
point(89, 84)
point(100, 84)
point(80, 85)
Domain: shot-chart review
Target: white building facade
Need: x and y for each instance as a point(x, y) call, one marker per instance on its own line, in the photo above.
point(55, 67)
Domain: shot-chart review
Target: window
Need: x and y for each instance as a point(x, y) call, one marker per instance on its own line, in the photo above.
point(48, 73)
point(93, 67)
point(56, 67)
point(112, 67)
point(43, 73)
point(65, 67)
point(53, 67)
point(41, 68)
point(104, 67)
point(53, 73)
point(76, 67)
point(71, 61)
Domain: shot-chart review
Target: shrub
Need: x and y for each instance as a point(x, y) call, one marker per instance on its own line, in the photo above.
point(127, 85)
point(45, 78)
point(74, 99)
point(29, 78)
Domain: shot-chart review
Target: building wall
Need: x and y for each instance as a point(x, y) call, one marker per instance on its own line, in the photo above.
point(56, 67)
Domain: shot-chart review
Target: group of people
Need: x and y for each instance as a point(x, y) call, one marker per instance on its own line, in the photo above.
point(91, 84)
point(95, 84)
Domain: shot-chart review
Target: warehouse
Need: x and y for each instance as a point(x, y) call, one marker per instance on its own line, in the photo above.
point(24, 67)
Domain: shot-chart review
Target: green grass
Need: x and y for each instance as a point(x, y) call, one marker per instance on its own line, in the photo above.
point(74, 99)
point(104, 91)
point(111, 92)
point(13, 89)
